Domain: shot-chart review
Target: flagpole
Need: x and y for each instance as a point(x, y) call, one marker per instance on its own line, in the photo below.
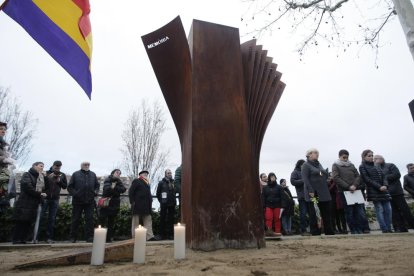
point(4, 4)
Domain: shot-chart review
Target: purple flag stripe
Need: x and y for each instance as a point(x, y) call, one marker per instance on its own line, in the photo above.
point(53, 39)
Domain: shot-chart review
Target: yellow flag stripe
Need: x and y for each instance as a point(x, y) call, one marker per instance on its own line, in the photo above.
point(66, 14)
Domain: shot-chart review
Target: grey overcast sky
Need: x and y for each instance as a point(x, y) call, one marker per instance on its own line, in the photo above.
point(329, 103)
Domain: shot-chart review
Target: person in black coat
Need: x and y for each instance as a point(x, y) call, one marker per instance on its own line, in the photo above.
point(83, 187)
point(316, 189)
point(377, 190)
point(55, 180)
point(288, 205)
point(5, 173)
point(401, 214)
point(296, 180)
point(113, 188)
point(409, 179)
point(141, 203)
point(272, 201)
point(166, 197)
point(26, 206)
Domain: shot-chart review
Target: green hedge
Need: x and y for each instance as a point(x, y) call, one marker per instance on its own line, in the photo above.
point(63, 221)
point(122, 223)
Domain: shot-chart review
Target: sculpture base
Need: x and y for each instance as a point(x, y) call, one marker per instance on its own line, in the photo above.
point(118, 251)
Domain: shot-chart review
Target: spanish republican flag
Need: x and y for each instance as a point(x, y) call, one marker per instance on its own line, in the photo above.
point(62, 28)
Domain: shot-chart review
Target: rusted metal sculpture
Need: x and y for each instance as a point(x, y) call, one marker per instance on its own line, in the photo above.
point(221, 96)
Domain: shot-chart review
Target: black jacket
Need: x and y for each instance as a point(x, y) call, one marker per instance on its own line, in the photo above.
point(166, 186)
point(272, 195)
point(83, 187)
point(29, 199)
point(374, 178)
point(177, 179)
point(288, 204)
point(409, 183)
point(114, 193)
point(296, 180)
point(53, 184)
point(392, 176)
point(140, 197)
point(315, 180)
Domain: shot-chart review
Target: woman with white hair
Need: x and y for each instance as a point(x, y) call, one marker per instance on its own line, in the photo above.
point(316, 190)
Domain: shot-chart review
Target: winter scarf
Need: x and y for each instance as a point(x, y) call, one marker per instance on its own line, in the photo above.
point(343, 163)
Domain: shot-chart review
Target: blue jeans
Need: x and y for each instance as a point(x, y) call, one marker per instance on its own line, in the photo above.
point(303, 210)
point(355, 216)
point(384, 215)
point(287, 223)
point(50, 206)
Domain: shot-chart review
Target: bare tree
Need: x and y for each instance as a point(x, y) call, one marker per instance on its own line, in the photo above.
point(141, 137)
point(21, 126)
point(324, 21)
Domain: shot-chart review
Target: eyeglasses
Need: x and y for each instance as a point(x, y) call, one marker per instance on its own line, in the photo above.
point(370, 155)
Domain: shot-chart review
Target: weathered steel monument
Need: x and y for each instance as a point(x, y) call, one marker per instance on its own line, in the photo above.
point(221, 96)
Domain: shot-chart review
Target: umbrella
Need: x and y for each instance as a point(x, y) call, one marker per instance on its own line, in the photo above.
point(36, 227)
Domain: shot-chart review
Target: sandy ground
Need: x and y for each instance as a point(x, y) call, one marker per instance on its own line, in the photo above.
point(382, 254)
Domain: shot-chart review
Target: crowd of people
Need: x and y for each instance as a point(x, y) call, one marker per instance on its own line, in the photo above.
point(326, 199)
point(40, 193)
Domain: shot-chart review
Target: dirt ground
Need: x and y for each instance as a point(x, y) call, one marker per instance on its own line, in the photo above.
point(382, 254)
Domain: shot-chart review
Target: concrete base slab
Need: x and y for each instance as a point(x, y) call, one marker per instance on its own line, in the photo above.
point(117, 251)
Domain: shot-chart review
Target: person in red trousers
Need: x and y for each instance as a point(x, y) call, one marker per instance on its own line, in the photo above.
point(272, 201)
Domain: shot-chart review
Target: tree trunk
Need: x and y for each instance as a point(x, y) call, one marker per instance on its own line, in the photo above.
point(405, 13)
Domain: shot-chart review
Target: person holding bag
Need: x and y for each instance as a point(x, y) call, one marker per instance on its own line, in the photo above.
point(112, 190)
point(31, 196)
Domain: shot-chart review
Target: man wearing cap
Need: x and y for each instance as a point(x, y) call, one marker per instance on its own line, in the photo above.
point(401, 214)
point(141, 203)
point(55, 180)
point(83, 187)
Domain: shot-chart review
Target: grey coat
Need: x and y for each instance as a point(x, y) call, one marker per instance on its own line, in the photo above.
point(296, 180)
point(315, 181)
point(345, 175)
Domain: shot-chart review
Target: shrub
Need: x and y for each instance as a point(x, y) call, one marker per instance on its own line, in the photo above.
point(63, 222)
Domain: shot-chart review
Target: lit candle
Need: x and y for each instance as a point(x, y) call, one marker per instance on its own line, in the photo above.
point(179, 241)
point(139, 244)
point(98, 247)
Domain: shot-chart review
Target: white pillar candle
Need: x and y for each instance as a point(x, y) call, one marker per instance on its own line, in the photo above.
point(179, 241)
point(98, 247)
point(139, 244)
